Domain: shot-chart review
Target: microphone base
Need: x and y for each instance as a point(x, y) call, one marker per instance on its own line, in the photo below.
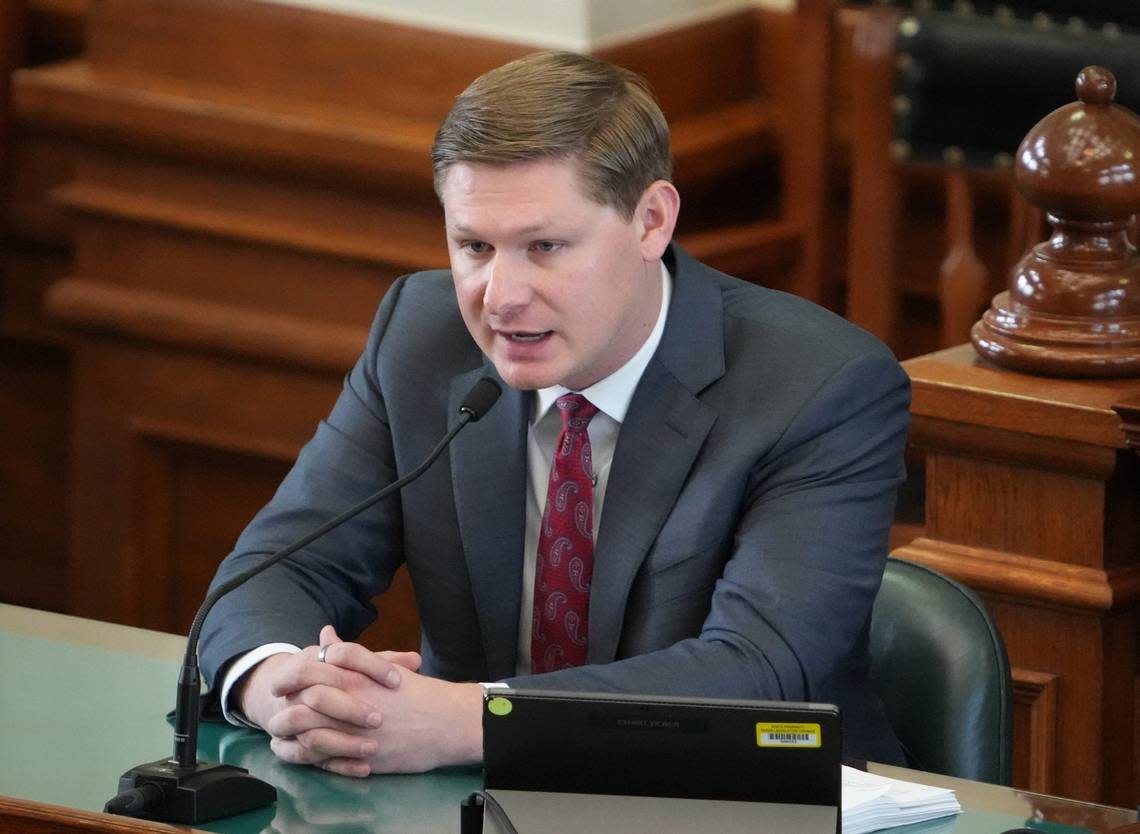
point(204, 792)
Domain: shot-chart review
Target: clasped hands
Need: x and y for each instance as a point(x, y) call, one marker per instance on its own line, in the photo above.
point(361, 712)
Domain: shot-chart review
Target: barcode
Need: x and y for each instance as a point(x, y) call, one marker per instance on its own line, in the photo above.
point(789, 736)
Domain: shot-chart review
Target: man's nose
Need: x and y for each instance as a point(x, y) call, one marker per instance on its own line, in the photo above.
point(508, 287)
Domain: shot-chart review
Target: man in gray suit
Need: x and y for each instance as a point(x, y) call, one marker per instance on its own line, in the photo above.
point(685, 487)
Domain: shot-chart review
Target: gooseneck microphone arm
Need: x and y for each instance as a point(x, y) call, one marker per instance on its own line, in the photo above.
point(184, 790)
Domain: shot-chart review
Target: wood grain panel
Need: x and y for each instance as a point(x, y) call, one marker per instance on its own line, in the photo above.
point(1082, 460)
point(1041, 580)
point(1035, 726)
point(162, 320)
point(1031, 499)
point(990, 505)
point(285, 210)
point(35, 415)
point(956, 384)
point(1033, 636)
point(349, 62)
point(723, 48)
point(124, 387)
point(192, 499)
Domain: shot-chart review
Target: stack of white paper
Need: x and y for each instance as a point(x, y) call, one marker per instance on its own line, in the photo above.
point(871, 802)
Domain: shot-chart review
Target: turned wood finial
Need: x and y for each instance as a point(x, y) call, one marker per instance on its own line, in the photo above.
point(1073, 304)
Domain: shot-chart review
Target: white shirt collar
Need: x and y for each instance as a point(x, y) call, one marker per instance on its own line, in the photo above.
point(613, 394)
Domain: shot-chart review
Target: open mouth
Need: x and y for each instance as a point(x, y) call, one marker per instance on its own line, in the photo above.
point(527, 337)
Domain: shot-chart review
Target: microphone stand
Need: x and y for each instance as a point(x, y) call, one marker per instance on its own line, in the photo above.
point(183, 789)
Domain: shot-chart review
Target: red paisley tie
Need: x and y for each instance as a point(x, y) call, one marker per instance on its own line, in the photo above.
point(565, 546)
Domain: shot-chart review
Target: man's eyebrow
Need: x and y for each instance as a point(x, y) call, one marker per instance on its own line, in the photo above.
point(534, 228)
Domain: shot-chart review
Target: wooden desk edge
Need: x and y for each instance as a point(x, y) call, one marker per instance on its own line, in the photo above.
point(23, 816)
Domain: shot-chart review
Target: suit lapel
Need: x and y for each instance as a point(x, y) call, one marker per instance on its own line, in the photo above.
point(663, 432)
point(488, 464)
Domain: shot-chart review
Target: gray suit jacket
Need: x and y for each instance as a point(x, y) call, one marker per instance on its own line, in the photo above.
point(742, 539)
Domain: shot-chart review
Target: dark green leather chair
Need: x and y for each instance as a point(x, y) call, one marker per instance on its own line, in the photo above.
point(940, 666)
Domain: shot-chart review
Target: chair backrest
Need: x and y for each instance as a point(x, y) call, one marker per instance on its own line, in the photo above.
point(968, 88)
point(939, 664)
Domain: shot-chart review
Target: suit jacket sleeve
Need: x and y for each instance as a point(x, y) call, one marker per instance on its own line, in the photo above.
point(334, 579)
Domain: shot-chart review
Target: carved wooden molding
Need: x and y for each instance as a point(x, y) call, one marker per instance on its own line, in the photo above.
point(353, 146)
point(1026, 577)
point(406, 252)
point(180, 91)
point(195, 435)
point(153, 530)
point(1036, 692)
point(760, 248)
point(956, 385)
point(1050, 453)
point(215, 126)
point(184, 322)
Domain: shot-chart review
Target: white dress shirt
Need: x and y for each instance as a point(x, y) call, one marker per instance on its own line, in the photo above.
point(612, 396)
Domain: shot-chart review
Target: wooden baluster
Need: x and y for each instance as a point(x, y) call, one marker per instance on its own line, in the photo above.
point(961, 276)
point(805, 144)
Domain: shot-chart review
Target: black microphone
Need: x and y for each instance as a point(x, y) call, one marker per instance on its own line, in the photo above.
point(182, 789)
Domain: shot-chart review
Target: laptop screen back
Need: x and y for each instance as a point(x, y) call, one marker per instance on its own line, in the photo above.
point(749, 751)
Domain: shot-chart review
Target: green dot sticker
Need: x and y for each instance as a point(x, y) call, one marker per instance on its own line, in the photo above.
point(500, 706)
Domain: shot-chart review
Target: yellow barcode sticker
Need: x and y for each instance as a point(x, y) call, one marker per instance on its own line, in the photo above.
point(787, 735)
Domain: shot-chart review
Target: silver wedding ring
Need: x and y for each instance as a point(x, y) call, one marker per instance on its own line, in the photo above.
point(321, 653)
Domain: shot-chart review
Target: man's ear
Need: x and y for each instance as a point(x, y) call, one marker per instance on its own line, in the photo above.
point(656, 216)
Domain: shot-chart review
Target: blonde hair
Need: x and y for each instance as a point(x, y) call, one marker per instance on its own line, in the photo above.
point(561, 105)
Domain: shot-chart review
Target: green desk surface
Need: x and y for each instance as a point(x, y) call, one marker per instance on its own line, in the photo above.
point(81, 702)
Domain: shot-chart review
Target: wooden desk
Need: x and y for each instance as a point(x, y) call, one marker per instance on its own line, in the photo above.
point(83, 701)
point(1032, 500)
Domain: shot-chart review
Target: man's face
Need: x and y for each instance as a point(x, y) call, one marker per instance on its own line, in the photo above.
point(554, 287)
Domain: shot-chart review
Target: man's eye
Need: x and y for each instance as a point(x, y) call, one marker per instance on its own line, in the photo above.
point(476, 247)
point(545, 245)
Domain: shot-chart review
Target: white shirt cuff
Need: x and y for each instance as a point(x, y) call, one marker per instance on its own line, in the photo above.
point(239, 668)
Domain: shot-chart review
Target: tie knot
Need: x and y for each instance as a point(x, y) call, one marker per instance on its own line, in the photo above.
point(576, 411)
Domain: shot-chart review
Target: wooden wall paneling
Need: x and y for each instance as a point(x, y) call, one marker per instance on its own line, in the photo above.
point(168, 475)
point(872, 291)
point(34, 360)
point(194, 493)
point(1035, 724)
point(725, 129)
point(35, 415)
point(290, 54)
point(721, 47)
point(54, 28)
point(11, 55)
point(763, 81)
point(1030, 499)
point(802, 91)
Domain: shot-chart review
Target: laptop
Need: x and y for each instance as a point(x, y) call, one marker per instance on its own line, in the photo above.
point(571, 762)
